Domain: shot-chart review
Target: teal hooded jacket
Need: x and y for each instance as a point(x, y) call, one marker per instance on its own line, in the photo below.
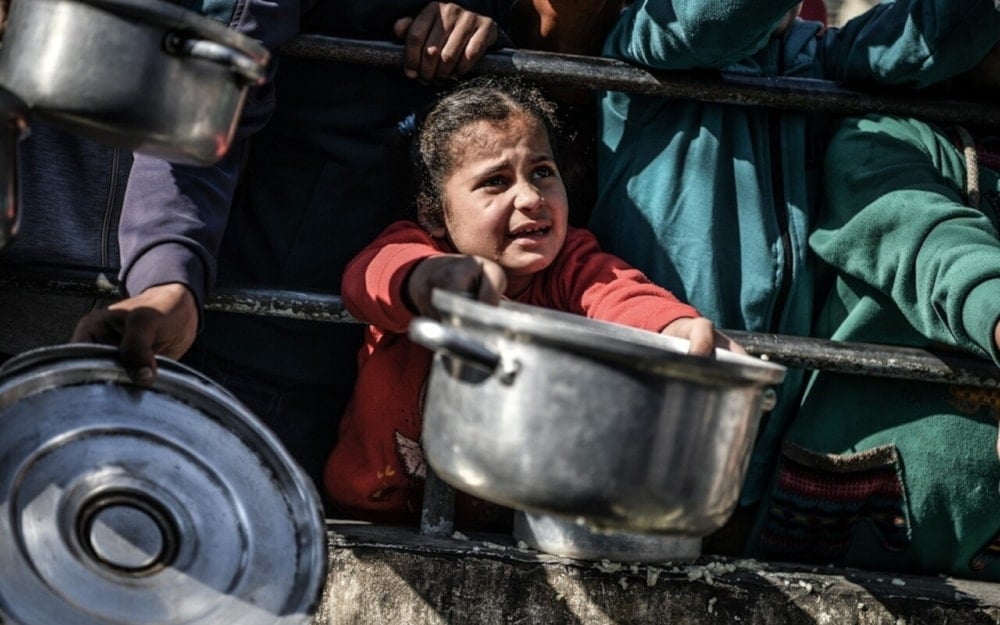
point(714, 201)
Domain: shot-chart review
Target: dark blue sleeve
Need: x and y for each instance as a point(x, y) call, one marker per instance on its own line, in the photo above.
point(173, 216)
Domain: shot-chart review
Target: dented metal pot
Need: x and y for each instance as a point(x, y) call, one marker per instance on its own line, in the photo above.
point(143, 75)
point(168, 504)
point(554, 413)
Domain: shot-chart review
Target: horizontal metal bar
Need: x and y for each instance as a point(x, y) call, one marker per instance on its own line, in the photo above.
point(597, 73)
point(904, 363)
point(286, 304)
point(871, 359)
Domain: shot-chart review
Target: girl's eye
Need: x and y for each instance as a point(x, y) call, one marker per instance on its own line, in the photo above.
point(543, 171)
point(494, 181)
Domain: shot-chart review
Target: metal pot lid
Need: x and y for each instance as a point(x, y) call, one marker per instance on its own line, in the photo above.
point(169, 504)
point(604, 340)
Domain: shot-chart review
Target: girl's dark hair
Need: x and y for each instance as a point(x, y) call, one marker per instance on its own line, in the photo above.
point(488, 98)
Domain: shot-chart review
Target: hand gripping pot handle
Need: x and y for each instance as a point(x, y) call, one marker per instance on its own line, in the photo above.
point(437, 337)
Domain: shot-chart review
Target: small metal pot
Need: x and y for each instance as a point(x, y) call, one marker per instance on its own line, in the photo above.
point(555, 413)
point(124, 504)
point(143, 75)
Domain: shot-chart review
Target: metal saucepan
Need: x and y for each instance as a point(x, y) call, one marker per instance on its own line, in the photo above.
point(169, 504)
point(554, 413)
point(143, 75)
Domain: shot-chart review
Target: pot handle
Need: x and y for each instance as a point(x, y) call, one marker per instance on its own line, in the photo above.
point(437, 337)
point(245, 66)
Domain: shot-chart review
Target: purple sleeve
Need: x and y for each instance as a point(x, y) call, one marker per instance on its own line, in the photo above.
point(173, 216)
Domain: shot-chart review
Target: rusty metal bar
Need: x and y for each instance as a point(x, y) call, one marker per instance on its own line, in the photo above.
point(597, 73)
point(871, 359)
point(287, 304)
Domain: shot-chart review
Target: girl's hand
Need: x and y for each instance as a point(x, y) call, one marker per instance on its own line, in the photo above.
point(703, 336)
point(482, 278)
point(444, 40)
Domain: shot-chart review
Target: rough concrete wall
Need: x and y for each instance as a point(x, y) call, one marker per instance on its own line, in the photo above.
point(392, 575)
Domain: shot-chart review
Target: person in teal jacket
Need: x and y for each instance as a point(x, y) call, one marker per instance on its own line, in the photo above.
point(714, 201)
point(895, 474)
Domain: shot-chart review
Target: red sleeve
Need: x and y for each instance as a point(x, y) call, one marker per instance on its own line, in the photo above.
point(372, 286)
point(587, 281)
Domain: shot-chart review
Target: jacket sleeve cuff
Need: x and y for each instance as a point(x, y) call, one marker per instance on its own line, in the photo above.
point(980, 315)
point(166, 264)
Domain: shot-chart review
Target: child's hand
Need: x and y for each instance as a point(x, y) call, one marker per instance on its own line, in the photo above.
point(480, 277)
point(703, 336)
point(444, 40)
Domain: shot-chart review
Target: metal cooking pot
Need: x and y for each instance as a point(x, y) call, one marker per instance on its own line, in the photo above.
point(554, 413)
point(168, 505)
point(143, 75)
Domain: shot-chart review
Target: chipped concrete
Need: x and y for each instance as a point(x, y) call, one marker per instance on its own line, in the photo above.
point(381, 574)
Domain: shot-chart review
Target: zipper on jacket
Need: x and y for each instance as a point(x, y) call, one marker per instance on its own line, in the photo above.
point(109, 207)
point(113, 200)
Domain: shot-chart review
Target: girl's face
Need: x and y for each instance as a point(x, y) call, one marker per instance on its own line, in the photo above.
point(505, 199)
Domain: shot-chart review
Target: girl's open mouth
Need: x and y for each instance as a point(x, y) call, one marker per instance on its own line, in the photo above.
point(530, 233)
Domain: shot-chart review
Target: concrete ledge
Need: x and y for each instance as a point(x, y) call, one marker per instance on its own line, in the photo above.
point(381, 574)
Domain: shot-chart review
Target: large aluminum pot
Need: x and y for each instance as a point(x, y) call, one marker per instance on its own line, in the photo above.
point(554, 413)
point(143, 75)
point(167, 505)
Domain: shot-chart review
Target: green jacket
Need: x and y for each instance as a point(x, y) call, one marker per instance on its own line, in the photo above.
point(912, 264)
point(714, 201)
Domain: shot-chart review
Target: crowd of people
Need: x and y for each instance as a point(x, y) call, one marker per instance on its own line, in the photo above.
point(382, 184)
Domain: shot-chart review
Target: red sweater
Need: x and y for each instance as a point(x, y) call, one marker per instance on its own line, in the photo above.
point(376, 470)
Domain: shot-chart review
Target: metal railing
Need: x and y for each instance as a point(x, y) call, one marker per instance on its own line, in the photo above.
point(597, 73)
point(888, 361)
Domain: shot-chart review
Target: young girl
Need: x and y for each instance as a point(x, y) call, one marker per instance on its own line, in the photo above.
point(492, 215)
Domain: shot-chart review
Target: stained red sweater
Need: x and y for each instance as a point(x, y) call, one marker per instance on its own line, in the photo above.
point(377, 468)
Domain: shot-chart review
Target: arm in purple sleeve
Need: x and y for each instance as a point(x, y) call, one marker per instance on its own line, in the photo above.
point(172, 221)
point(173, 216)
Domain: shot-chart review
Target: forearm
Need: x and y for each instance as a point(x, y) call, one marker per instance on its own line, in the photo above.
point(602, 286)
point(919, 42)
point(374, 283)
point(172, 221)
point(895, 220)
point(687, 34)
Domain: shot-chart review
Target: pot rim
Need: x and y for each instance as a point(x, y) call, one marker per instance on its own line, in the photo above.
point(632, 347)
